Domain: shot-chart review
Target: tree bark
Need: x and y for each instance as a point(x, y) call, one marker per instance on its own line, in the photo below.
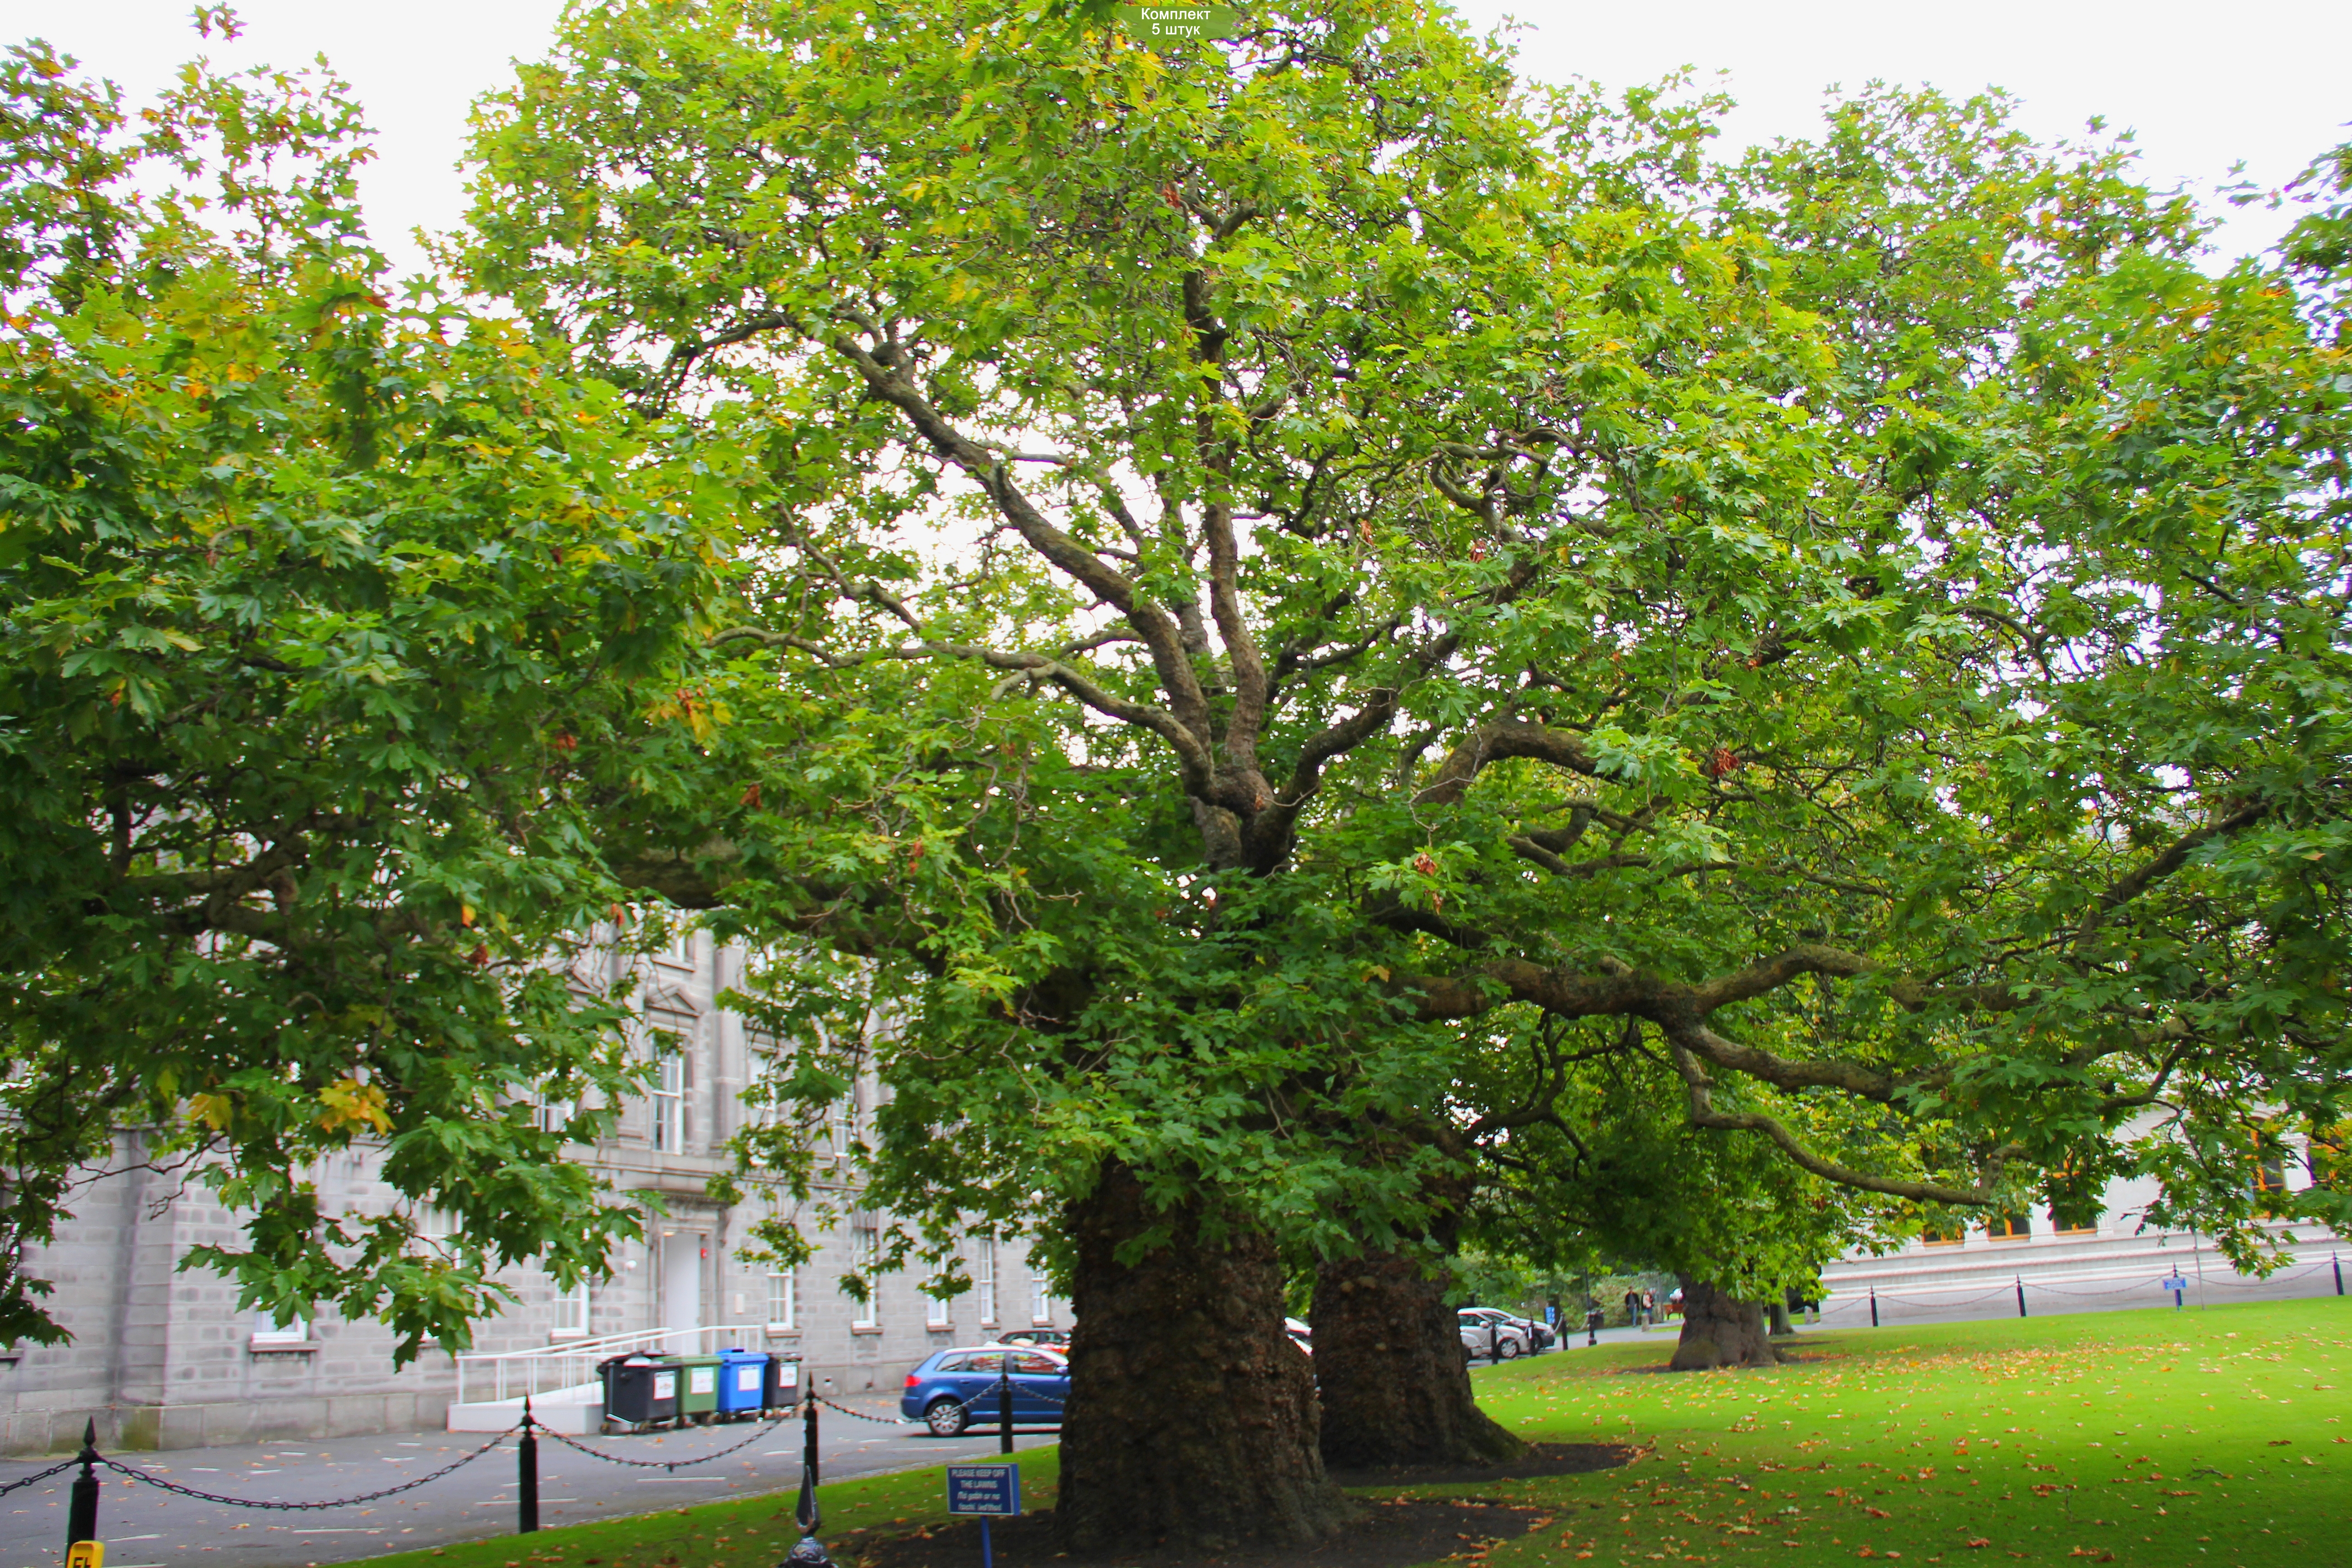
point(1395, 1385)
point(1191, 1418)
point(1720, 1331)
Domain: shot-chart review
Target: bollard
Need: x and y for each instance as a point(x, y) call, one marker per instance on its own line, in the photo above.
point(527, 1473)
point(1004, 1405)
point(1494, 1343)
point(2339, 1272)
point(809, 1552)
point(2021, 1293)
point(1873, 1306)
point(81, 1507)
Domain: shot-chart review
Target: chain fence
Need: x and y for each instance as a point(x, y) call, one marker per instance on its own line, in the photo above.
point(761, 1434)
point(21, 1482)
point(136, 1474)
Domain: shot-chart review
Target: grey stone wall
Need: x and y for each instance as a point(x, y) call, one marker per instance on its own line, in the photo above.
point(161, 1357)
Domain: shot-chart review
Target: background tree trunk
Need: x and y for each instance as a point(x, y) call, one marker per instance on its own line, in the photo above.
point(1719, 1331)
point(1191, 1417)
point(1395, 1385)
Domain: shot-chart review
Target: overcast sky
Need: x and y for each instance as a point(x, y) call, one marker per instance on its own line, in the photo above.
point(2203, 85)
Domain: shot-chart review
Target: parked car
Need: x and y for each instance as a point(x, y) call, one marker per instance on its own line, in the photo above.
point(1054, 1338)
point(955, 1389)
point(1487, 1331)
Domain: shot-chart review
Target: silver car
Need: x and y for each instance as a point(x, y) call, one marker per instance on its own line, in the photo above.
point(1488, 1331)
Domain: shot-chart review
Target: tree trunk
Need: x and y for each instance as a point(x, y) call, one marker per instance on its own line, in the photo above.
point(1781, 1323)
point(1389, 1366)
point(1191, 1418)
point(1719, 1331)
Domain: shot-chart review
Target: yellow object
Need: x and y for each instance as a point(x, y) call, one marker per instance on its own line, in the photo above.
point(86, 1554)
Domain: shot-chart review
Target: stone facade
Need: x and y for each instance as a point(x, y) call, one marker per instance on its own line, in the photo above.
point(2115, 1262)
point(161, 1358)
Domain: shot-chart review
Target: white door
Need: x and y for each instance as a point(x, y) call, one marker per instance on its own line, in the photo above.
point(682, 1280)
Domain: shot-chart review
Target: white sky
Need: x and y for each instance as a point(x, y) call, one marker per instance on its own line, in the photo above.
point(2202, 86)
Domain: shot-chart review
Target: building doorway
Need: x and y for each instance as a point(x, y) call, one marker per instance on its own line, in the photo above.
point(681, 1279)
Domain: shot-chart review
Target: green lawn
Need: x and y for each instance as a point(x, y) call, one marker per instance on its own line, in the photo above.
point(2148, 1437)
point(2208, 1438)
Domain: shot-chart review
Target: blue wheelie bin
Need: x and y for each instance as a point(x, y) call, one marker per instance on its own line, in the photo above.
point(742, 1382)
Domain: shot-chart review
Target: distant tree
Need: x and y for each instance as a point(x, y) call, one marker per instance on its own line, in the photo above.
point(330, 629)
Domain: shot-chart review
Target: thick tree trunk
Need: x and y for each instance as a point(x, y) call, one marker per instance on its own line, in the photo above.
point(1718, 1330)
point(1389, 1366)
point(1191, 1418)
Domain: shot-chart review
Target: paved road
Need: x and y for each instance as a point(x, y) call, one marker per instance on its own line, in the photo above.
point(147, 1528)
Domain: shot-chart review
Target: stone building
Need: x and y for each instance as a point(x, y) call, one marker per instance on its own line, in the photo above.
point(162, 1358)
point(2116, 1260)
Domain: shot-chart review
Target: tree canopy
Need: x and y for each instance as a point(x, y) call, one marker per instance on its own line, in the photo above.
point(329, 627)
point(1280, 550)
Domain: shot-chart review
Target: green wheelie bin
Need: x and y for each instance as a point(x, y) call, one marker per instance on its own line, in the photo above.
point(697, 1387)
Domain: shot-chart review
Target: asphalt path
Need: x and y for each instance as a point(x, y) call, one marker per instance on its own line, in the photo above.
point(146, 1527)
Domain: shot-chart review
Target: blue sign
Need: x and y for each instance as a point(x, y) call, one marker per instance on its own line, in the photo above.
point(986, 1490)
point(2175, 1283)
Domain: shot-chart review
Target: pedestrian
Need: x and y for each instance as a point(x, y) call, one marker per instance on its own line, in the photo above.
point(1649, 1306)
point(1633, 1307)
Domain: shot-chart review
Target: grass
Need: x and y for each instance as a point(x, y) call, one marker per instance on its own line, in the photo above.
point(2211, 1439)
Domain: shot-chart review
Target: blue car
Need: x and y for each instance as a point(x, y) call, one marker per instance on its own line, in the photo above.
point(955, 1389)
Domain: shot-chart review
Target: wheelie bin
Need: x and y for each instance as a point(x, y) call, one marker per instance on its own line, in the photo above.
point(742, 1379)
point(638, 1390)
point(698, 1386)
point(781, 1390)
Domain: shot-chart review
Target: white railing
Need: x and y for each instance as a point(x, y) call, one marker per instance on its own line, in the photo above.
point(544, 1369)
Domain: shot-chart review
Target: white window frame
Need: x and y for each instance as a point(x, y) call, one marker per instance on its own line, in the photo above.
point(574, 1304)
point(270, 1330)
point(669, 1102)
point(939, 1311)
point(784, 1295)
point(1041, 1298)
point(864, 1254)
point(983, 1279)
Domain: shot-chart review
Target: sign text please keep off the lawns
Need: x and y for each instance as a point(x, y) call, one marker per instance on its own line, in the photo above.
point(1176, 23)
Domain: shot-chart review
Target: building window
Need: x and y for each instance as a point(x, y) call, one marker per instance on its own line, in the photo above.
point(983, 1279)
point(783, 1303)
point(1041, 1297)
point(269, 1329)
point(1935, 1237)
point(677, 947)
point(571, 1319)
point(2269, 1172)
point(940, 1313)
point(550, 1114)
point(2010, 1227)
point(865, 1260)
point(841, 1127)
point(669, 1102)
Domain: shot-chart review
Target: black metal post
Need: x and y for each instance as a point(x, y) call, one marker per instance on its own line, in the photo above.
point(1004, 1405)
point(1493, 1341)
point(2339, 1272)
point(81, 1507)
point(809, 1552)
point(1873, 1306)
point(527, 1473)
point(2021, 1293)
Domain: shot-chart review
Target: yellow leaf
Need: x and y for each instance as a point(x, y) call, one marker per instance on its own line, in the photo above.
point(348, 1103)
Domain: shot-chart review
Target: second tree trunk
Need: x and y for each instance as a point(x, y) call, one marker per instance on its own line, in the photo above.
point(1719, 1329)
point(1389, 1364)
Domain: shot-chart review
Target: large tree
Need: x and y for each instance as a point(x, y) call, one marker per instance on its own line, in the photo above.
point(1284, 552)
point(328, 627)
